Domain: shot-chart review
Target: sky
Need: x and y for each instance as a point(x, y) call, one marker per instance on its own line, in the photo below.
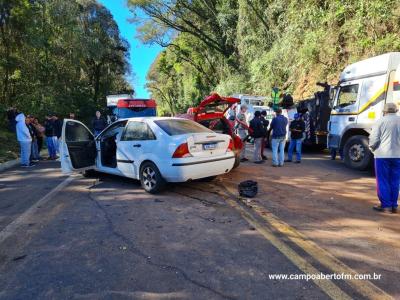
point(141, 56)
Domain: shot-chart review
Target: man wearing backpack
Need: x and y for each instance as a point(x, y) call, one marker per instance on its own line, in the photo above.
point(296, 127)
point(258, 133)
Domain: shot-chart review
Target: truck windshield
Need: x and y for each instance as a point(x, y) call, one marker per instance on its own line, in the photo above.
point(133, 112)
point(347, 95)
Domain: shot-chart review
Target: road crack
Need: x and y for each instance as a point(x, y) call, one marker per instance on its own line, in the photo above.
point(134, 250)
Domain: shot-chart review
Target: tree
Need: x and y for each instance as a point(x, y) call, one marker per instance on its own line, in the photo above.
point(60, 56)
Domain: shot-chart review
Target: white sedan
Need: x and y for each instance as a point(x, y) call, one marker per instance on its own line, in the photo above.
point(153, 150)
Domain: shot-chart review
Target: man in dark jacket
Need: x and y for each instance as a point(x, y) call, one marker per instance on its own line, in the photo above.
point(297, 128)
point(258, 134)
point(35, 157)
point(278, 128)
point(265, 123)
point(98, 123)
point(58, 130)
point(51, 137)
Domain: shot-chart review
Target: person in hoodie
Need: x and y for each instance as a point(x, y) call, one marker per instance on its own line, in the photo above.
point(24, 139)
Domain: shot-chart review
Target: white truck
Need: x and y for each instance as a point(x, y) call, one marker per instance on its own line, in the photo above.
point(357, 103)
point(254, 103)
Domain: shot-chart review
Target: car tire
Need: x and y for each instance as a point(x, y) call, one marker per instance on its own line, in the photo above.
point(208, 179)
point(89, 173)
point(237, 162)
point(357, 154)
point(150, 178)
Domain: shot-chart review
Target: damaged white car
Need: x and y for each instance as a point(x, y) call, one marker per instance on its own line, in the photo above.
point(153, 150)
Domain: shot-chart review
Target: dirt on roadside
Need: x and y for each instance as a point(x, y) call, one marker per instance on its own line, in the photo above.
point(332, 206)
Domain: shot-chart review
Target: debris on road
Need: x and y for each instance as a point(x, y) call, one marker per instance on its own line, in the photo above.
point(19, 257)
point(248, 188)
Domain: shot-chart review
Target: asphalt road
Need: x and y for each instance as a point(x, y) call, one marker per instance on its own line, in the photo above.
point(104, 238)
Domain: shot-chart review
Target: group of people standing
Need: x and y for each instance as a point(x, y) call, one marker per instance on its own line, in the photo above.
point(32, 135)
point(384, 142)
point(260, 130)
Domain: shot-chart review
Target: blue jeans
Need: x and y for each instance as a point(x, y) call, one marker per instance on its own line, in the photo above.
point(25, 152)
point(333, 152)
point(387, 171)
point(35, 150)
point(52, 146)
point(295, 143)
point(278, 144)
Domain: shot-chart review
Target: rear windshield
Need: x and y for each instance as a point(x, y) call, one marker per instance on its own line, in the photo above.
point(216, 125)
point(177, 127)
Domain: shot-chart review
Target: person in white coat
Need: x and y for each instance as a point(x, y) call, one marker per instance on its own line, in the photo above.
point(24, 139)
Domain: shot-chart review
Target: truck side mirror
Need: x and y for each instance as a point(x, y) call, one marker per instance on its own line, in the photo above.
point(332, 93)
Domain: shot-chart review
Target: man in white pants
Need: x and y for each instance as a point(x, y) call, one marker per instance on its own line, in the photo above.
point(25, 140)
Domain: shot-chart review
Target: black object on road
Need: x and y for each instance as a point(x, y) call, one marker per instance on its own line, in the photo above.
point(248, 188)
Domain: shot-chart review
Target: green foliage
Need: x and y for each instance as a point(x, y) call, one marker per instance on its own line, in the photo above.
point(59, 56)
point(248, 46)
point(9, 149)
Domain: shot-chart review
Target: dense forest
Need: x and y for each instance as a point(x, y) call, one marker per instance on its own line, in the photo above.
point(248, 46)
point(59, 56)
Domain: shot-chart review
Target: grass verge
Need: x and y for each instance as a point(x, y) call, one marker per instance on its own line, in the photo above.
point(9, 148)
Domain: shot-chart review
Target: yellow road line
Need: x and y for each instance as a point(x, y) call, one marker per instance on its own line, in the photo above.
point(364, 287)
point(327, 286)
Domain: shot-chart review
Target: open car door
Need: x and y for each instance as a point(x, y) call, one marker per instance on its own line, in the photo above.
point(214, 106)
point(77, 147)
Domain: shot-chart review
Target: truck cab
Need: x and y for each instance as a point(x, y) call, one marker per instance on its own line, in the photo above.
point(125, 106)
point(363, 89)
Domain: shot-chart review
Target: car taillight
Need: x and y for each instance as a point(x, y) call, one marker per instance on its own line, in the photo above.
point(230, 146)
point(238, 143)
point(182, 151)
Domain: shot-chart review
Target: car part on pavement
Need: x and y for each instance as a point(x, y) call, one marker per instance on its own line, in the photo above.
point(248, 188)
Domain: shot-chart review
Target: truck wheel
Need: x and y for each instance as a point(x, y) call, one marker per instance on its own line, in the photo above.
point(150, 178)
point(357, 154)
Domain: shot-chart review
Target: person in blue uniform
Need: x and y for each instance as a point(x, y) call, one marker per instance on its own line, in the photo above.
point(384, 142)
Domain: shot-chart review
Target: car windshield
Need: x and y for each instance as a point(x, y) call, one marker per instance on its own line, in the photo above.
point(177, 127)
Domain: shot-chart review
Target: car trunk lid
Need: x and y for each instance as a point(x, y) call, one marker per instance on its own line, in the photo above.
point(207, 144)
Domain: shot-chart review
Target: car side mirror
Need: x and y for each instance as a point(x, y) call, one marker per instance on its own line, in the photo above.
point(118, 136)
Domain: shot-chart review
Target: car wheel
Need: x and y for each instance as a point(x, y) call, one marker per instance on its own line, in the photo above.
point(89, 173)
point(150, 178)
point(357, 154)
point(237, 161)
